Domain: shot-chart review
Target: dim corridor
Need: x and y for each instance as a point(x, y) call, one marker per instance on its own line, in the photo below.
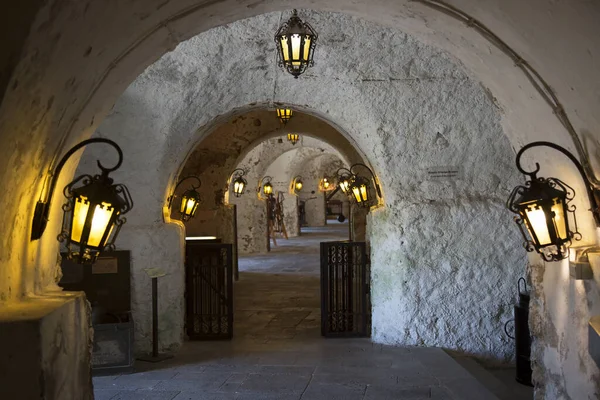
point(277, 352)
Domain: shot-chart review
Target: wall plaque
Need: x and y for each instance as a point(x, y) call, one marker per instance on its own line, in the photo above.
point(444, 173)
point(105, 265)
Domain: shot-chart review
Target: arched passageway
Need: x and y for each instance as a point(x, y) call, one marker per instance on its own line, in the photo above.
point(48, 106)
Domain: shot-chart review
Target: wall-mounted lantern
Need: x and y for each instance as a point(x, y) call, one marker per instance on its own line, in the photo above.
point(239, 183)
point(356, 186)
point(267, 187)
point(296, 41)
point(326, 184)
point(284, 115)
point(189, 200)
point(542, 206)
point(344, 180)
point(92, 215)
point(293, 138)
point(297, 184)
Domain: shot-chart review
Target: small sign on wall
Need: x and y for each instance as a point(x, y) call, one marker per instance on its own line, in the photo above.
point(106, 265)
point(444, 173)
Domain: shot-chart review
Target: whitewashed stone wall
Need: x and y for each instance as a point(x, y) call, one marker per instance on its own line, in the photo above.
point(406, 107)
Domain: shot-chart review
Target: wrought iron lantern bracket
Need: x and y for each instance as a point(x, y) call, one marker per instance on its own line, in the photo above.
point(42, 208)
point(592, 191)
point(194, 187)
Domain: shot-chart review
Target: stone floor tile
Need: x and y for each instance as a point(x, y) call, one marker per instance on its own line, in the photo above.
point(267, 396)
point(129, 382)
point(145, 395)
point(159, 374)
point(399, 392)
point(205, 396)
point(333, 391)
point(105, 394)
point(191, 382)
point(103, 380)
point(274, 383)
point(468, 389)
point(286, 369)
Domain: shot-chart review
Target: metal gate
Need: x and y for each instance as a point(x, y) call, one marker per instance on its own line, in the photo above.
point(209, 291)
point(345, 290)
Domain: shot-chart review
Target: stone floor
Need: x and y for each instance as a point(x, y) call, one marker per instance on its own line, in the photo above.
point(278, 353)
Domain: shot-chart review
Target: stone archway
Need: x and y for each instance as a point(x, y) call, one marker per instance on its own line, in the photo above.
point(402, 127)
point(38, 110)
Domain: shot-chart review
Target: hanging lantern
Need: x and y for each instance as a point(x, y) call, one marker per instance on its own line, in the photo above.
point(239, 183)
point(284, 115)
point(542, 206)
point(293, 138)
point(297, 184)
point(189, 200)
point(296, 42)
point(92, 215)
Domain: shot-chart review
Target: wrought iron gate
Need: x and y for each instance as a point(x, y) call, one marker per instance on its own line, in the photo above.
point(345, 290)
point(209, 291)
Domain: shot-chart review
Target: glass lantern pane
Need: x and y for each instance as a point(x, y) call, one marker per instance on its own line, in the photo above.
point(102, 216)
point(188, 206)
point(344, 186)
point(356, 192)
point(285, 51)
point(537, 221)
point(79, 215)
point(363, 192)
point(306, 48)
point(559, 219)
point(296, 40)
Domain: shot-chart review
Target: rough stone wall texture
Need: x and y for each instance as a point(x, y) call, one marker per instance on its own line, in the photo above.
point(72, 69)
point(45, 348)
point(559, 314)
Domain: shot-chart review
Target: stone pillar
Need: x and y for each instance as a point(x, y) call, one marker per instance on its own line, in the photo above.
point(359, 223)
point(45, 348)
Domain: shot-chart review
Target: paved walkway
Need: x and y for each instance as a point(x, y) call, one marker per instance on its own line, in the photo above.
point(278, 353)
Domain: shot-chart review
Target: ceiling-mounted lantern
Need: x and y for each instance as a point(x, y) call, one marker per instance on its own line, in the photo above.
point(284, 115)
point(296, 41)
point(293, 138)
